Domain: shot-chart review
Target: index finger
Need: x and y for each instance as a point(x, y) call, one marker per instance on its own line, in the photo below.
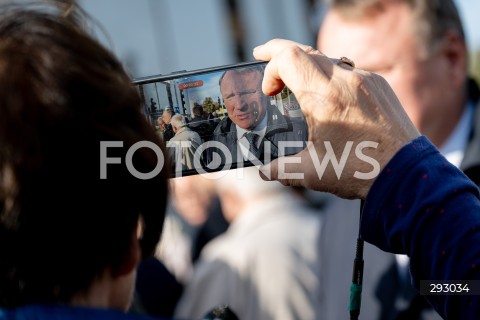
point(292, 64)
point(266, 51)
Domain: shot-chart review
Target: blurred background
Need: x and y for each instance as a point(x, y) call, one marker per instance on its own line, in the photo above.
point(161, 36)
point(154, 37)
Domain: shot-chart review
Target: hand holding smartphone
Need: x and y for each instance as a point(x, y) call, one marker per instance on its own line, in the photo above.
point(218, 118)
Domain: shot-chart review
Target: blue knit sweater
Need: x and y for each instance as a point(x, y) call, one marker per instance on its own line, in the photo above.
point(422, 206)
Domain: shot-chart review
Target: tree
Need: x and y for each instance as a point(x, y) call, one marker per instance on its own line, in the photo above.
point(475, 66)
point(285, 93)
point(209, 105)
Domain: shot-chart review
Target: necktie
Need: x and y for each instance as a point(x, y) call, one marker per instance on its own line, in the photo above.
point(252, 141)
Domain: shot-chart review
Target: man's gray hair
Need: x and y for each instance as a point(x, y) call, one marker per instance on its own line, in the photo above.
point(433, 18)
point(169, 111)
point(178, 121)
point(260, 68)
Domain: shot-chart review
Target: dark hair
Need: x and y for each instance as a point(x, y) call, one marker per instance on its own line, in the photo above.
point(61, 94)
point(197, 110)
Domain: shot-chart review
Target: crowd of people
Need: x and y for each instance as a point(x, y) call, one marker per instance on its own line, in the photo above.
point(73, 244)
point(199, 121)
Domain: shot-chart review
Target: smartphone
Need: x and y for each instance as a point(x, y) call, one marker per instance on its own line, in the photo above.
point(219, 119)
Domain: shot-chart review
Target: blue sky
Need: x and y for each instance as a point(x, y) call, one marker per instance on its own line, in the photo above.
point(210, 87)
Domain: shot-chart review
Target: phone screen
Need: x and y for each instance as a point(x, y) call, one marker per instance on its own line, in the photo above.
point(218, 118)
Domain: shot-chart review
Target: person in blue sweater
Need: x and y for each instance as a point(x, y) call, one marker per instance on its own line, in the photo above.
point(74, 224)
point(419, 204)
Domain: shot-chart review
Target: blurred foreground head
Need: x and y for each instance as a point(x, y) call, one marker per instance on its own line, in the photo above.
point(61, 226)
point(242, 189)
point(418, 46)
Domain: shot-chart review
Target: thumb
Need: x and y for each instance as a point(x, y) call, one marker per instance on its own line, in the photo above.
point(287, 170)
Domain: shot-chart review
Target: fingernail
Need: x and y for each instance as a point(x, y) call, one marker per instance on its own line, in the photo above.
point(265, 172)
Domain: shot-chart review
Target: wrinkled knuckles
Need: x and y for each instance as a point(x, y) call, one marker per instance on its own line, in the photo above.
point(358, 80)
point(292, 54)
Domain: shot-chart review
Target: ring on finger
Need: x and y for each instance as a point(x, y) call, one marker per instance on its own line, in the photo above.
point(347, 61)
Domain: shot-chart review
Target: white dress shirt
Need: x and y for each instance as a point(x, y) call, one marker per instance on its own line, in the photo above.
point(260, 130)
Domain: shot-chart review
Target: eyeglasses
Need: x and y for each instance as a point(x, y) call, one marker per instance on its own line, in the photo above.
point(243, 94)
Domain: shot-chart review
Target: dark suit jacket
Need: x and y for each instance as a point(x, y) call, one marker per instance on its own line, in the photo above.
point(168, 133)
point(279, 128)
